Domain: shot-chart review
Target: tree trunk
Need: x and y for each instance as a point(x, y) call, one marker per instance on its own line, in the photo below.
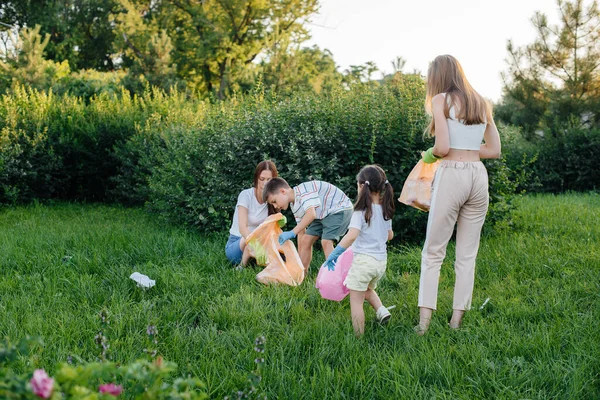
point(223, 84)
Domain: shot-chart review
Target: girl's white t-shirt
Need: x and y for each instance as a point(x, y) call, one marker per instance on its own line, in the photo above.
point(257, 212)
point(372, 238)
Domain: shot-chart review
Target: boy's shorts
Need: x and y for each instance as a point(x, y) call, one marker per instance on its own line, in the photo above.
point(332, 227)
point(364, 273)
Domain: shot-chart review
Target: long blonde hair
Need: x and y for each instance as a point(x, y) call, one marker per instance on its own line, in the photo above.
point(445, 75)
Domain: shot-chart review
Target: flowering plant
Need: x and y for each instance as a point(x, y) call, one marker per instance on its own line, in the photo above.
point(141, 379)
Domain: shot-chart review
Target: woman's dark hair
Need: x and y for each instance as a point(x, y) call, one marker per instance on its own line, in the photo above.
point(266, 165)
point(374, 180)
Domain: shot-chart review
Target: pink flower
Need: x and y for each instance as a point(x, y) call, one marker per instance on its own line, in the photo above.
point(42, 384)
point(111, 388)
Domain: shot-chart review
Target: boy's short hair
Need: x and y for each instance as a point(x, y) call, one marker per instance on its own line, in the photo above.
point(273, 187)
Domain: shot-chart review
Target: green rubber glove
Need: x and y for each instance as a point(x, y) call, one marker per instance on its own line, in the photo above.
point(429, 157)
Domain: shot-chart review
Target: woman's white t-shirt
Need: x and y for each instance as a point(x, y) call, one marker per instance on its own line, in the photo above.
point(257, 212)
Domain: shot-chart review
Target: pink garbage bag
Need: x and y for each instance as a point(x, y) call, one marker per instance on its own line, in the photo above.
point(331, 283)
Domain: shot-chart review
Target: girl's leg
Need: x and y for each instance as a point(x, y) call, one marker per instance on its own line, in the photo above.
point(357, 312)
point(382, 313)
point(373, 299)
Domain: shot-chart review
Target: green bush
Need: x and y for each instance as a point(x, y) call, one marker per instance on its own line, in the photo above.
point(28, 159)
point(188, 159)
point(141, 379)
point(328, 137)
point(89, 83)
point(563, 160)
point(65, 147)
point(198, 174)
point(77, 379)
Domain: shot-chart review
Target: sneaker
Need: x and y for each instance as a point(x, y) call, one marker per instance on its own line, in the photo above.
point(383, 315)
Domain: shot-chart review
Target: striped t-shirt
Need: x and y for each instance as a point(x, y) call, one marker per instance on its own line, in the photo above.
point(324, 197)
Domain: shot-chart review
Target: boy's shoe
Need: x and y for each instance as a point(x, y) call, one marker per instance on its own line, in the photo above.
point(383, 315)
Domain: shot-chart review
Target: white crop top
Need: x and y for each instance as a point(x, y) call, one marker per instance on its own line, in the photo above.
point(463, 137)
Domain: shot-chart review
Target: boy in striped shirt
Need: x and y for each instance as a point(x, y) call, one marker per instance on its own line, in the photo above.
point(319, 207)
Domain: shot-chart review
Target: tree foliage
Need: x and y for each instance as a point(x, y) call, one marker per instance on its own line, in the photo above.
point(556, 79)
point(213, 47)
point(143, 47)
point(216, 40)
point(24, 61)
point(210, 48)
point(79, 31)
point(298, 70)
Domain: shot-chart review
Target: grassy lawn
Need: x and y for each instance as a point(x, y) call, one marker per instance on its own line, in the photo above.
point(537, 337)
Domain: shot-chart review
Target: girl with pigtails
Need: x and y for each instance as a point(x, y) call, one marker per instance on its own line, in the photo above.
point(370, 228)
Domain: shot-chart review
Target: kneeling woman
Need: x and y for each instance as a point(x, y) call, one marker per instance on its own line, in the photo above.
point(250, 212)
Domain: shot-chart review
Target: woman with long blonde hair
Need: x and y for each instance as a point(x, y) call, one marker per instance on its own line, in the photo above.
point(461, 120)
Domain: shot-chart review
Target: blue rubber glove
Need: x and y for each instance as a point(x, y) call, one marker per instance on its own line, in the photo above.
point(429, 157)
point(331, 260)
point(286, 236)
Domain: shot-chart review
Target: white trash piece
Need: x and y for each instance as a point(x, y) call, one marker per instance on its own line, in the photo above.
point(484, 303)
point(142, 280)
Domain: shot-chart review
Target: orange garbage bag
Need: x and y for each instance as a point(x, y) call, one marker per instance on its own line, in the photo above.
point(264, 246)
point(416, 191)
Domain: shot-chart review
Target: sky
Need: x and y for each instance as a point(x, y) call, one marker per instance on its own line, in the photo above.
point(474, 31)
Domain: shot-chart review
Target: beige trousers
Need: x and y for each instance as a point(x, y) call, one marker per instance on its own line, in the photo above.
point(459, 197)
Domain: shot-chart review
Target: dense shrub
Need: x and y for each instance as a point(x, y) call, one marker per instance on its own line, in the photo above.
point(141, 379)
point(563, 160)
point(325, 137)
point(89, 83)
point(28, 160)
point(188, 159)
point(330, 137)
point(64, 147)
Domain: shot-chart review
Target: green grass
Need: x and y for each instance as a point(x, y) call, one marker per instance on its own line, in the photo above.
point(537, 337)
